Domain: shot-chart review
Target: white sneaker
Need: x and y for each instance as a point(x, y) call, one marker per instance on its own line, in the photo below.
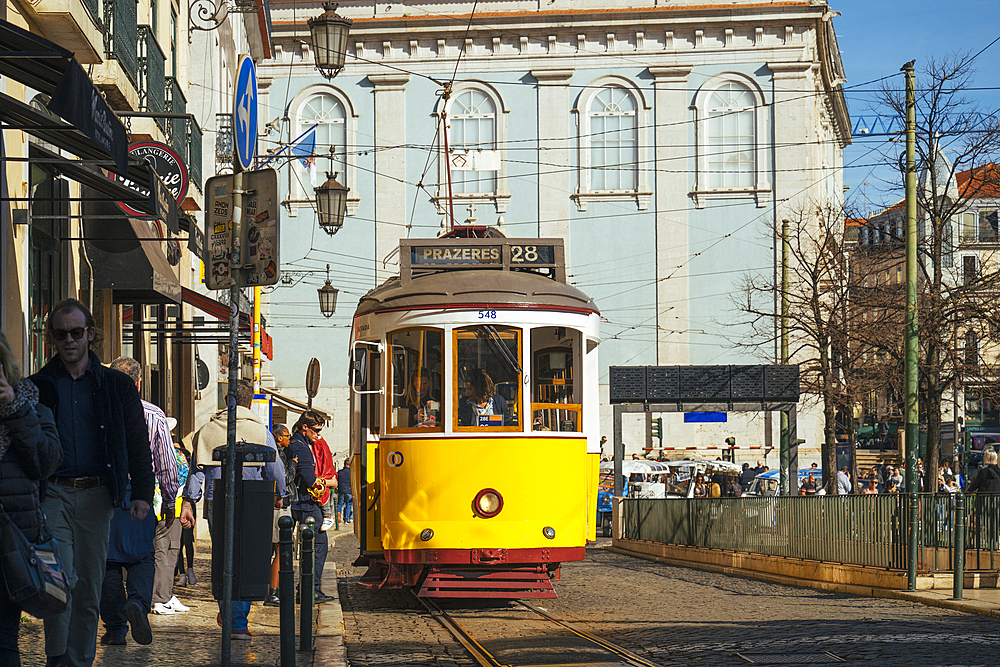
point(327, 524)
point(160, 608)
point(177, 605)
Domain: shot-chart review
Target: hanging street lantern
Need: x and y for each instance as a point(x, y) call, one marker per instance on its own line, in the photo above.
point(327, 296)
point(329, 40)
point(331, 204)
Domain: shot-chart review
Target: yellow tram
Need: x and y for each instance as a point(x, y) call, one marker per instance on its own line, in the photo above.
point(474, 417)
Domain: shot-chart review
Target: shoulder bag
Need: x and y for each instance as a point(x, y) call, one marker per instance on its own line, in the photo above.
point(32, 572)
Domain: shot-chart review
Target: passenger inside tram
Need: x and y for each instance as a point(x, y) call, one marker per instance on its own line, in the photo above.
point(425, 407)
point(482, 406)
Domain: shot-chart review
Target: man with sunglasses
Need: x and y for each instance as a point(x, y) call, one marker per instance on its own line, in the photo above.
point(307, 430)
point(105, 443)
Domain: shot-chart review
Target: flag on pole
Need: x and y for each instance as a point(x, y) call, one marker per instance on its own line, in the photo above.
point(305, 148)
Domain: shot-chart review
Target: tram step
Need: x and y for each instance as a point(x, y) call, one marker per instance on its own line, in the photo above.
point(504, 584)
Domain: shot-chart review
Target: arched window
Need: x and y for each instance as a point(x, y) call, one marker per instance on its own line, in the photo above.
point(327, 113)
point(335, 121)
point(473, 130)
point(476, 132)
point(731, 137)
point(611, 119)
point(731, 128)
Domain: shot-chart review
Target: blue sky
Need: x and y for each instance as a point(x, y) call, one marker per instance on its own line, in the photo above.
point(878, 36)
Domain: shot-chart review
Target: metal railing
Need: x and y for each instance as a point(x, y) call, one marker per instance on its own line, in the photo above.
point(851, 530)
point(121, 40)
point(194, 155)
point(224, 143)
point(177, 131)
point(152, 84)
point(93, 8)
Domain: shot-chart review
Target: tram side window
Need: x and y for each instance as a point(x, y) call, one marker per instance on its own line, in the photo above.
point(416, 379)
point(556, 392)
point(488, 377)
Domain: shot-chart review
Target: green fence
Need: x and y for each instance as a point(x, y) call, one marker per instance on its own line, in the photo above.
point(852, 530)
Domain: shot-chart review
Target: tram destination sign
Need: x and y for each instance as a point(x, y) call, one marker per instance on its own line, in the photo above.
point(464, 256)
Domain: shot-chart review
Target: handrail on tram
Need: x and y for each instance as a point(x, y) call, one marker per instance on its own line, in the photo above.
point(354, 347)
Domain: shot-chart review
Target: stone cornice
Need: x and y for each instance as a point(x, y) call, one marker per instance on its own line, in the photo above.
point(670, 74)
point(394, 81)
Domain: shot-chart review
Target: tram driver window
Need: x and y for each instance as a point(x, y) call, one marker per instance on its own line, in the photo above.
point(488, 377)
point(416, 380)
point(555, 360)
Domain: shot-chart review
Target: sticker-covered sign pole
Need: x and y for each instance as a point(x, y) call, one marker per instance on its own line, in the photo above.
point(245, 140)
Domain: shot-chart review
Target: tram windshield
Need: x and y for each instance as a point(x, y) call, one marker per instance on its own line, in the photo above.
point(488, 377)
point(416, 379)
point(555, 400)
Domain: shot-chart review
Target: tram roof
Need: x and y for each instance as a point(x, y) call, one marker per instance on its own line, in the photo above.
point(441, 273)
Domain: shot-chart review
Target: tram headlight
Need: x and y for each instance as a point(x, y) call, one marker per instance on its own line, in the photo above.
point(426, 534)
point(487, 503)
point(549, 532)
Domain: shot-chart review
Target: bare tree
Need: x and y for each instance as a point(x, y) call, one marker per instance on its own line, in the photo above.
point(823, 321)
point(957, 145)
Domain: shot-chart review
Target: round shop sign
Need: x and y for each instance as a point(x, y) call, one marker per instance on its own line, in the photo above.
point(394, 459)
point(168, 166)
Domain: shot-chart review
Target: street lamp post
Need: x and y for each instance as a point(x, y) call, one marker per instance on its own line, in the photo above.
point(329, 33)
point(327, 296)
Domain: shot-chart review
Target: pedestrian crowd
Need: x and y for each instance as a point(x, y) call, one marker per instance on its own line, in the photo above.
point(86, 461)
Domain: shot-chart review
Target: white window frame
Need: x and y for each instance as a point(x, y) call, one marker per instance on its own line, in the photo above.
point(642, 194)
point(500, 198)
point(703, 192)
point(296, 196)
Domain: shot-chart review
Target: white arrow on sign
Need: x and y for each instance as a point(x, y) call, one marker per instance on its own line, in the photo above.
point(244, 111)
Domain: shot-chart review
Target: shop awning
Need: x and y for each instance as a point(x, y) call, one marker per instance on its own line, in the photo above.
point(298, 407)
point(92, 130)
point(129, 255)
point(220, 311)
point(103, 187)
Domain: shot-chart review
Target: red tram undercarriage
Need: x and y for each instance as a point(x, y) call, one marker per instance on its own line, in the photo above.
point(470, 573)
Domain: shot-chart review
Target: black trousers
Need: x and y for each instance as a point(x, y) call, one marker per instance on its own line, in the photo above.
point(321, 545)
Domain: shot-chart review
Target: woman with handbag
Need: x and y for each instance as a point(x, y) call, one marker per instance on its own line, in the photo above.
point(29, 452)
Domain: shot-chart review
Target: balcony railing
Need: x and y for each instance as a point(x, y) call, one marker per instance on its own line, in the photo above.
point(152, 85)
point(93, 8)
point(176, 127)
point(194, 152)
point(122, 38)
point(223, 143)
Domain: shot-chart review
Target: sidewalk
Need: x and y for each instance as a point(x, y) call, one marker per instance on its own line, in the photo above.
point(982, 601)
point(192, 639)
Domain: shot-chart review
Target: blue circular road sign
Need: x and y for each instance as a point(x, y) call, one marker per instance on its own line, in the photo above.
point(245, 113)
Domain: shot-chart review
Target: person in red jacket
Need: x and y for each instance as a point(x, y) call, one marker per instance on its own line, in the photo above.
point(327, 471)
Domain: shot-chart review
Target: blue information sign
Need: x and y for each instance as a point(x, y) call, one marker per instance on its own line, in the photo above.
point(245, 112)
point(704, 417)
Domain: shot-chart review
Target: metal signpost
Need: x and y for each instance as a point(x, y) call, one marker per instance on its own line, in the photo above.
point(245, 131)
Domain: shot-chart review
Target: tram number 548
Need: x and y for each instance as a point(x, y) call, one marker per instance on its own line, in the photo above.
point(487, 314)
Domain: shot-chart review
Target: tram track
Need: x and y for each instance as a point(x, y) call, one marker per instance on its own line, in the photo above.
point(486, 658)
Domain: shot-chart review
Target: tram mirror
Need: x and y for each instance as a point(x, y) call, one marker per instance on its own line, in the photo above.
point(359, 369)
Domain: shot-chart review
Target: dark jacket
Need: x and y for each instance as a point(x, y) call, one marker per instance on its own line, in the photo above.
point(344, 481)
point(34, 454)
point(987, 480)
point(467, 414)
point(123, 427)
point(305, 472)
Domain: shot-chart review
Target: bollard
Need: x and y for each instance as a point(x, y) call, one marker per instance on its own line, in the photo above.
point(306, 586)
point(286, 591)
point(959, 564)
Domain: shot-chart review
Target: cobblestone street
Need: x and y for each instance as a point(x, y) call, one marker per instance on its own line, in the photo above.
point(679, 616)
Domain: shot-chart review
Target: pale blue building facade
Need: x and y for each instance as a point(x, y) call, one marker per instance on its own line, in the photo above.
point(662, 143)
